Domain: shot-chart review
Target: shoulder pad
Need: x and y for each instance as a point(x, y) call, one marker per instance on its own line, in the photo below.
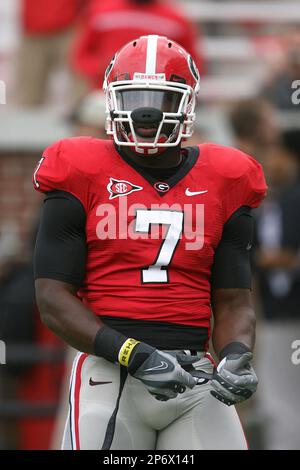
point(69, 165)
point(240, 176)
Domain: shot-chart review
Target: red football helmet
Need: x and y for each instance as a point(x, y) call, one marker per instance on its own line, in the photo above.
point(151, 86)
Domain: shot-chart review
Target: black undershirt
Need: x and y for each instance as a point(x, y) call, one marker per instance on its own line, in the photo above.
point(163, 174)
point(61, 249)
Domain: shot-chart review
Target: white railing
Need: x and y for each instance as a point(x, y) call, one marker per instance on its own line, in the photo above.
point(231, 11)
point(229, 48)
point(225, 88)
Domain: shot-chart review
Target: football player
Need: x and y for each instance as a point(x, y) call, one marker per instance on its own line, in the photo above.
point(140, 241)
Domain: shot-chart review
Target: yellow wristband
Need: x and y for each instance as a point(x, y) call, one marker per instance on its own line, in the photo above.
point(126, 350)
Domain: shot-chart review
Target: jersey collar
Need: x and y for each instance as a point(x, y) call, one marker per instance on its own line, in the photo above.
point(190, 158)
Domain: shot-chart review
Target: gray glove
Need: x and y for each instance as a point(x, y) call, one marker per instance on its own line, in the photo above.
point(161, 373)
point(235, 379)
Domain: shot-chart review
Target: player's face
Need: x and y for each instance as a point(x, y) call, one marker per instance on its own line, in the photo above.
point(155, 101)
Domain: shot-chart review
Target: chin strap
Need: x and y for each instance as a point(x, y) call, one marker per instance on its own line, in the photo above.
point(147, 151)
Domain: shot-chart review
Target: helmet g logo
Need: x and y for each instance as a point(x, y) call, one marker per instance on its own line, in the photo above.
point(108, 70)
point(195, 72)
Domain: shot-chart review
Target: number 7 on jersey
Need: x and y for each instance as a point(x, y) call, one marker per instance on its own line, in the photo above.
point(157, 272)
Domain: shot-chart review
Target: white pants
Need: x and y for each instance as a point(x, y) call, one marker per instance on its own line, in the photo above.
point(193, 421)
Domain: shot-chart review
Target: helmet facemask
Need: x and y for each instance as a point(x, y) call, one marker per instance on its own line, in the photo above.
point(149, 116)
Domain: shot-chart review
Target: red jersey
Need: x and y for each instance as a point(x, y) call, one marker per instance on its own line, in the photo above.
point(112, 23)
point(151, 243)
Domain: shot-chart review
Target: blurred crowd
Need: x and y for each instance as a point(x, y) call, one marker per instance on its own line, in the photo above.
point(64, 48)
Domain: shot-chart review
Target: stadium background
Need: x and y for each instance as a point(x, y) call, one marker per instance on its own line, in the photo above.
point(249, 55)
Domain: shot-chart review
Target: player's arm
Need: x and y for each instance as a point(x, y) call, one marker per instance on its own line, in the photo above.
point(60, 260)
point(234, 316)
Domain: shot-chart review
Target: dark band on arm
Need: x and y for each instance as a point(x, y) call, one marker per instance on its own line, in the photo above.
point(231, 268)
point(60, 251)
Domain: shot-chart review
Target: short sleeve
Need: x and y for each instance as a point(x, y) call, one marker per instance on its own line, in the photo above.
point(54, 171)
point(249, 189)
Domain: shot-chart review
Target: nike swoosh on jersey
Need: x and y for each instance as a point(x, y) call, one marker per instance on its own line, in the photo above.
point(163, 365)
point(92, 382)
point(194, 193)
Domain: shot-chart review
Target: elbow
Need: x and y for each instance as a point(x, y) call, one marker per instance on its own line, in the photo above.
point(46, 317)
point(46, 300)
point(45, 306)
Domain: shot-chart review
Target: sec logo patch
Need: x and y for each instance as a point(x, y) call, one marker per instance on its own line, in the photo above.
point(118, 188)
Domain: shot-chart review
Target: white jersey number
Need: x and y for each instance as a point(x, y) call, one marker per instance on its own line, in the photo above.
point(157, 272)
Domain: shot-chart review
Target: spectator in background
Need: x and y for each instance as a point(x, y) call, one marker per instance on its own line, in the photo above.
point(47, 27)
point(88, 117)
point(112, 23)
point(254, 126)
point(291, 140)
point(277, 260)
point(286, 69)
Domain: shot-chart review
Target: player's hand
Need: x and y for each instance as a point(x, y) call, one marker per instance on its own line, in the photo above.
point(161, 373)
point(234, 380)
